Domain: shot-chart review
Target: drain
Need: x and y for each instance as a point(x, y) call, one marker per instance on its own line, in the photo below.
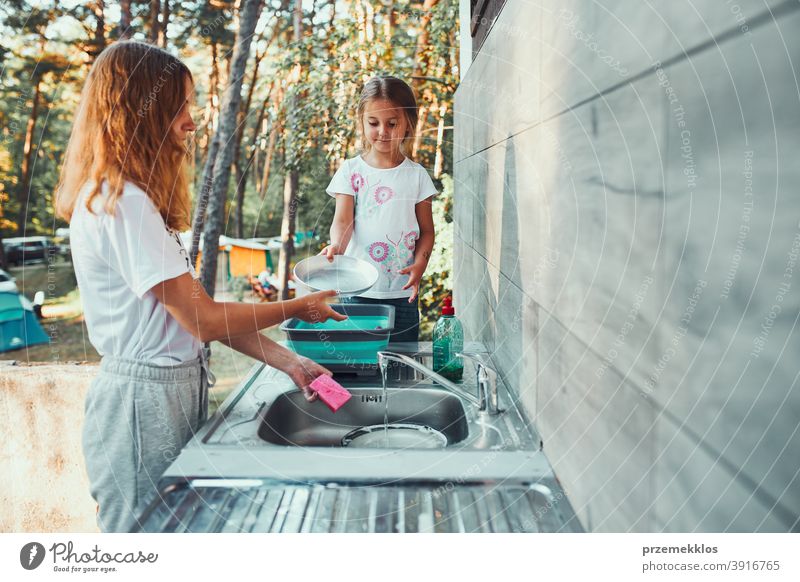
point(395, 436)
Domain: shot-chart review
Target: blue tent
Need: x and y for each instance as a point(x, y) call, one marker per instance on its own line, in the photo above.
point(18, 325)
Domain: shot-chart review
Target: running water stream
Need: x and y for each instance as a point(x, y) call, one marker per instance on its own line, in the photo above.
point(384, 373)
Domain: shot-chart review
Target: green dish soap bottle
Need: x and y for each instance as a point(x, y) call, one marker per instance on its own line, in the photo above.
point(448, 340)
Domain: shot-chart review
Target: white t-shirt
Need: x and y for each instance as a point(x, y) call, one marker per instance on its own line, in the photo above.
point(117, 260)
point(386, 229)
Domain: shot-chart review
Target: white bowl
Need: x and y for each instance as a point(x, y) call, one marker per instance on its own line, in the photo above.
point(346, 275)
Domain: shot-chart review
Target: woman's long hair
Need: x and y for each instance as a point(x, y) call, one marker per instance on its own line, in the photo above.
point(398, 92)
point(122, 132)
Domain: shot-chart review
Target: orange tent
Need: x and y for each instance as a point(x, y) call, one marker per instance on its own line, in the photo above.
point(244, 257)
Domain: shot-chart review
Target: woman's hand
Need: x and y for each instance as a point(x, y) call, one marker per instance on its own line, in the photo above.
point(303, 371)
point(414, 272)
point(313, 308)
point(331, 250)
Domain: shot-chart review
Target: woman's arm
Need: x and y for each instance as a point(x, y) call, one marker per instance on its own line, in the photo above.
point(301, 370)
point(423, 247)
point(342, 226)
point(186, 300)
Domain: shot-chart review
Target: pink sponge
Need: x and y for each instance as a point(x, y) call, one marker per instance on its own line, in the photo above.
point(330, 392)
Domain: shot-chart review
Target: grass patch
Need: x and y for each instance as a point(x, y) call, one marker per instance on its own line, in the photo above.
point(69, 342)
point(56, 279)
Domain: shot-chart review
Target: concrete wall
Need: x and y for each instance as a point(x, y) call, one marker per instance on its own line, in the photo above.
point(627, 233)
point(43, 481)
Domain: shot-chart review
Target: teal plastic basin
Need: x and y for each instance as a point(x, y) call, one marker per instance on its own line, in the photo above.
point(356, 340)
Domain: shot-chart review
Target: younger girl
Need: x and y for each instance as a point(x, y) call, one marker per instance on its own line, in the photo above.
point(383, 207)
point(125, 192)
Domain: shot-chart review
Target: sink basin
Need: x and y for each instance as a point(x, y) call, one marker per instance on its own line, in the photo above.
point(293, 421)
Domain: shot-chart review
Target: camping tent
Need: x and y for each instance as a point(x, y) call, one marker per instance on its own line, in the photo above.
point(18, 325)
point(240, 257)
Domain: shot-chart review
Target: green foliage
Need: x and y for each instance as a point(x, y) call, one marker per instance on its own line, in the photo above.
point(319, 79)
point(324, 71)
point(202, 23)
point(38, 53)
point(437, 283)
point(262, 218)
point(320, 103)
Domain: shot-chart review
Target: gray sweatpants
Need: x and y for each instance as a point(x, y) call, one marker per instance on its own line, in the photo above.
point(138, 418)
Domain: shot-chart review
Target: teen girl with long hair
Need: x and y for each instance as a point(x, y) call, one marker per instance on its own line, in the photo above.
point(125, 191)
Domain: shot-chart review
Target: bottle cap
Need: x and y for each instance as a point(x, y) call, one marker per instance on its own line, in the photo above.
point(447, 306)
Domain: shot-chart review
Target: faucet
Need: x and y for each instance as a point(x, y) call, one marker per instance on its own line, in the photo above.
point(486, 381)
point(486, 376)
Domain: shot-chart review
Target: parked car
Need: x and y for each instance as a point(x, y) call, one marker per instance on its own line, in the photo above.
point(61, 240)
point(8, 284)
point(21, 250)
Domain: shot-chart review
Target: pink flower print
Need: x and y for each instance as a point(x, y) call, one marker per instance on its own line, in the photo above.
point(383, 194)
point(357, 181)
point(378, 251)
point(410, 240)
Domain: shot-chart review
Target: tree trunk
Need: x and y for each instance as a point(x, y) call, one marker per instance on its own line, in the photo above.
point(292, 178)
point(388, 28)
point(257, 134)
point(99, 41)
point(211, 150)
point(239, 178)
point(222, 166)
point(423, 115)
point(437, 165)
point(290, 185)
point(241, 174)
point(420, 59)
point(275, 130)
point(201, 203)
point(262, 188)
point(23, 192)
point(241, 185)
point(125, 19)
point(162, 31)
point(155, 8)
point(3, 264)
point(213, 99)
point(361, 26)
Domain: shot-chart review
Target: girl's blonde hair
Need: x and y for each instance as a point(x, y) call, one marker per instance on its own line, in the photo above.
point(122, 132)
point(398, 92)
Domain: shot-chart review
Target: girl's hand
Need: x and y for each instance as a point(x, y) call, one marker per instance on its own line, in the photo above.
point(414, 272)
point(313, 308)
point(303, 371)
point(331, 250)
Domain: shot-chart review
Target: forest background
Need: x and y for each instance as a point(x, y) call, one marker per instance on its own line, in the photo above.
point(277, 83)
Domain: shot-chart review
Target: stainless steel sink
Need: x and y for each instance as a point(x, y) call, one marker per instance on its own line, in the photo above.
point(293, 421)
point(267, 442)
point(269, 411)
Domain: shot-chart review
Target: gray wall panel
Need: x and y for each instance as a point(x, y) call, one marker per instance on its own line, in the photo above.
point(597, 434)
point(605, 266)
point(734, 228)
point(695, 490)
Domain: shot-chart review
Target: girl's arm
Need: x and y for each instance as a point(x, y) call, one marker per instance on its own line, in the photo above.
point(342, 226)
point(301, 370)
point(187, 301)
point(423, 248)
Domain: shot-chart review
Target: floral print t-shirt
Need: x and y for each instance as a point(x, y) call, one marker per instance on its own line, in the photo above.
point(386, 229)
